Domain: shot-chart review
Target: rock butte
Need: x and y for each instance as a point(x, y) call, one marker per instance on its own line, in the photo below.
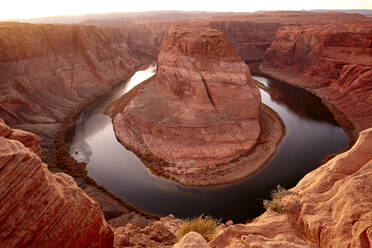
point(48, 71)
point(201, 110)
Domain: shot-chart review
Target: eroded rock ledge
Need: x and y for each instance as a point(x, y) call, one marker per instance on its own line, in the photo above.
point(41, 209)
point(201, 109)
point(330, 207)
point(334, 62)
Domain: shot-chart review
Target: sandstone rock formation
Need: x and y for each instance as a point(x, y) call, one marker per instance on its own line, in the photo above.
point(330, 207)
point(40, 209)
point(157, 235)
point(333, 61)
point(202, 108)
point(192, 240)
point(251, 34)
point(48, 71)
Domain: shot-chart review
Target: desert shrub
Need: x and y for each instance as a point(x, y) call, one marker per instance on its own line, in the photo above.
point(205, 225)
point(275, 204)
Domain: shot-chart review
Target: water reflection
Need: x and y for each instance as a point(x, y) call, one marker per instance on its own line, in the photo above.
point(301, 102)
point(310, 135)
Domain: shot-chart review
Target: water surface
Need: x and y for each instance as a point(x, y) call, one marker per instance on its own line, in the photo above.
point(311, 134)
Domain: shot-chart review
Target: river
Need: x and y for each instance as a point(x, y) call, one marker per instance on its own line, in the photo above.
point(311, 134)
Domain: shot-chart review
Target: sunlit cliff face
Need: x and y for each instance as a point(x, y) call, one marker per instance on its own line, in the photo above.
point(24, 9)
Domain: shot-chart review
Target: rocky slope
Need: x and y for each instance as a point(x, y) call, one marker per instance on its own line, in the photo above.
point(333, 61)
point(330, 207)
point(182, 116)
point(40, 209)
point(48, 71)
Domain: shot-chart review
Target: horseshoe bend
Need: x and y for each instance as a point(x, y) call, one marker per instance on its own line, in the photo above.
point(199, 112)
point(203, 119)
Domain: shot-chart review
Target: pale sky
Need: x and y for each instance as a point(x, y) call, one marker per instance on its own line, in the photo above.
point(22, 9)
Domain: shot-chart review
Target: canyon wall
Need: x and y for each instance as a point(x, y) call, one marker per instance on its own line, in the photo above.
point(252, 34)
point(332, 61)
point(41, 209)
point(49, 71)
point(147, 38)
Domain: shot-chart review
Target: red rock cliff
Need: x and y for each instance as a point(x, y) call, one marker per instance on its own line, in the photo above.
point(333, 61)
point(191, 114)
point(48, 71)
point(252, 34)
point(41, 209)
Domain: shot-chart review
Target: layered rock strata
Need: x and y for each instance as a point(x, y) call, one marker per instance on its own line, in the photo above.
point(48, 71)
point(201, 110)
point(252, 34)
point(159, 234)
point(334, 62)
point(330, 207)
point(40, 209)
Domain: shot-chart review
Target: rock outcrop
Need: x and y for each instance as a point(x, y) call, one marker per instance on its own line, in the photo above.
point(330, 207)
point(252, 34)
point(192, 240)
point(40, 209)
point(333, 61)
point(159, 234)
point(192, 114)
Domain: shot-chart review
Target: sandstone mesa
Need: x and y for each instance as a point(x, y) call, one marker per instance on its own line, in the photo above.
point(200, 112)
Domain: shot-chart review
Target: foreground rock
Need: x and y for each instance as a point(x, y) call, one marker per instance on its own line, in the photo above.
point(330, 207)
point(40, 209)
point(201, 110)
point(334, 62)
point(192, 240)
point(157, 235)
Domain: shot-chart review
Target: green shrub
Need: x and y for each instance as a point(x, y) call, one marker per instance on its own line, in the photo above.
point(205, 225)
point(275, 204)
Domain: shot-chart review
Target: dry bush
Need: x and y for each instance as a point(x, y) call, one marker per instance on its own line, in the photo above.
point(205, 225)
point(276, 204)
